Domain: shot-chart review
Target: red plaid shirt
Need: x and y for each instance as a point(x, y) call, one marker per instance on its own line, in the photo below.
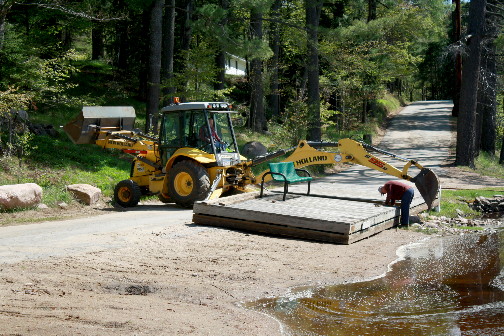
point(394, 190)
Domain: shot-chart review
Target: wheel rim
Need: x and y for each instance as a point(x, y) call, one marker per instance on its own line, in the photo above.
point(124, 194)
point(183, 184)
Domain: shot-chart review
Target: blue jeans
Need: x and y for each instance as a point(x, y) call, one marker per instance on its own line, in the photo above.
point(406, 199)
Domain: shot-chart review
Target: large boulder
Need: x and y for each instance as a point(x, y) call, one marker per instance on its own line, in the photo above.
point(85, 193)
point(253, 149)
point(20, 195)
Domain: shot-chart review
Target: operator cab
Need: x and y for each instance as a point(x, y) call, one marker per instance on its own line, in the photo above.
point(201, 126)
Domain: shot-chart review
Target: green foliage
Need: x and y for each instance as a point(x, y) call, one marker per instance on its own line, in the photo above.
point(195, 82)
point(487, 165)
point(361, 58)
point(13, 98)
point(232, 37)
point(39, 80)
point(294, 124)
point(14, 138)
point(48, 79)
point(139, 4)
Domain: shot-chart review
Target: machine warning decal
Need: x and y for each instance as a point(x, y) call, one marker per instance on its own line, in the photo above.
point(120, 143)
point(377, 163)
point(140, 167)
point(311, 159)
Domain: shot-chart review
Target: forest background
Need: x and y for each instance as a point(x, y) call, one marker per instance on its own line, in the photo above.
point(319, 70)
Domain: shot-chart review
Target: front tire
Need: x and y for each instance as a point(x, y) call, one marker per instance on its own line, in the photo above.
point(188, 182)
point(163, 199)
point(127, 193)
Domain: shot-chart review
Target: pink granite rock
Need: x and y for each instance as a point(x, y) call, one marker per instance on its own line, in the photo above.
point(20, 195)
point(85, 193)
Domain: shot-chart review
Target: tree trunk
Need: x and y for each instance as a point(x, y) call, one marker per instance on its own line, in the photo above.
point(313, 9)
point(5, 6)
point(257, 121)
point(371, 10)
point(364, 118)
point(187, 28)
point(122, 50)
point(274, 98)
point(97, 47)
point(168, 52)
point(489, 68)
point(66, 38)
point(121, 45)
point(2, 31)
point(458, 59)
point(220, 57)
point(220, 62)
point(2, 28)
point(186, 38)
point(143, 58)
point(488, 104)
point(501, 159)
point(154, 72)
point(466, 125)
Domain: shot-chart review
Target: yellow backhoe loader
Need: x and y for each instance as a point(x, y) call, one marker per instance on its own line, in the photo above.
point(196, 155)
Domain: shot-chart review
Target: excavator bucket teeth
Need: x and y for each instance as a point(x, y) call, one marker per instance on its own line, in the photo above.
point(427, 184)
point(82, 130)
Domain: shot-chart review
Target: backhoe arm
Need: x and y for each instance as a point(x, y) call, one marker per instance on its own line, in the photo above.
point(348, 150)
point(355, 152)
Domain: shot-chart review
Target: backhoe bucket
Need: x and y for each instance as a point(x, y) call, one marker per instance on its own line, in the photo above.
point(84, 129)
point(427, 184)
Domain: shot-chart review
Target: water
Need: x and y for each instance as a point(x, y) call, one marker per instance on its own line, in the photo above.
point(445, 286)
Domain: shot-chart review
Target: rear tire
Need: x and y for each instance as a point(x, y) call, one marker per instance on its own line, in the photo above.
point(127, 193)
point(188, 182)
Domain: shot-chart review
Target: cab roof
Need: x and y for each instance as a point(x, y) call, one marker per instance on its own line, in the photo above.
point(196, 106)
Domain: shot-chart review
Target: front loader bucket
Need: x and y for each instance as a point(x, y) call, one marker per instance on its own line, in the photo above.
point(427, 184)
point(84, 128)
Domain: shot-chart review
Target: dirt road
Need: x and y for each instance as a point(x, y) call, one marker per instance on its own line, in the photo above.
point(151, 271)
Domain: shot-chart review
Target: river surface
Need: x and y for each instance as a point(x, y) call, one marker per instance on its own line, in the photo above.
point(443, 286)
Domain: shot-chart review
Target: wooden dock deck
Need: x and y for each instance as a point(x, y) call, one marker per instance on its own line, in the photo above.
point(328, 218)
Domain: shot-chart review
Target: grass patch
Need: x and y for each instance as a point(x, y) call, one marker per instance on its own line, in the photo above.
point(489, 165)
point(334, 135)
point(54, 163)
point(453, 200)
point(388, 104)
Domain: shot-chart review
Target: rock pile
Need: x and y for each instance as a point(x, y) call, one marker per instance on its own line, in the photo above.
point(446, 225)
point(488, 205)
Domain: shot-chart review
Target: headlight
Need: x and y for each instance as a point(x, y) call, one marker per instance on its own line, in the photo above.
point(227, 159)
